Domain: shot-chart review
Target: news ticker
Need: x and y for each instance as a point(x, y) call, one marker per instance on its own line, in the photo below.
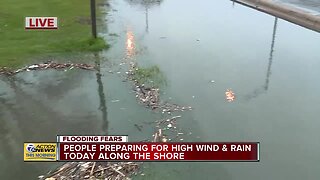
point(117, 148)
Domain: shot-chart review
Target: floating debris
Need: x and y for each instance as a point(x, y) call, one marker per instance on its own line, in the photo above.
point(166, 130)
point(139, 127)
point(230, 96)
point(170, 120)
point(167, 107)
point(6, 71)
point(43, 66)
point(164, 139)
point(170, 125)
point(150, 96)
point(104, 170)
point(94, 170)
point(159, 136)
point(116, 100)
point(147, 96)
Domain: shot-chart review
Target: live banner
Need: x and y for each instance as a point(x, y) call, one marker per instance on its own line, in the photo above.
point(149, 151)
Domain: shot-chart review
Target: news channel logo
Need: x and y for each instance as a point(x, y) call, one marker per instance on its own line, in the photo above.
point(40, 151)
point(31, 148)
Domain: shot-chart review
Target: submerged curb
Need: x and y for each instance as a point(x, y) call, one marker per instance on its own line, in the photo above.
point(286, 12)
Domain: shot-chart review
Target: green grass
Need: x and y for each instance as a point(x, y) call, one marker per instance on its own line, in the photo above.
point(151, 76)
point(18, 46)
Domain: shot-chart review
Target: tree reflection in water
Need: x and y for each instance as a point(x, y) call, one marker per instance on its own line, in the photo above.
point(102, 97)
point(146, 4)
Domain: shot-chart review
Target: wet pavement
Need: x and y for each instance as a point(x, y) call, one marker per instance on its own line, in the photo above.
point(201, 49)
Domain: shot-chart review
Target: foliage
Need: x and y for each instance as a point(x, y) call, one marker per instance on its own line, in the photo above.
point(150, 76)
point(18, 46)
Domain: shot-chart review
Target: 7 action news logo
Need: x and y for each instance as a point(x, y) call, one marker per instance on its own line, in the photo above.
point(41, 148)
point(31, 148)
point(40, 151)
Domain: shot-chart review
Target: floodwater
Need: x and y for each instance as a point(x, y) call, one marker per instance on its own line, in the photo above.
point(202, 48)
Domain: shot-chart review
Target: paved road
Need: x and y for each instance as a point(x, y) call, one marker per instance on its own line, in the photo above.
point(313, 5)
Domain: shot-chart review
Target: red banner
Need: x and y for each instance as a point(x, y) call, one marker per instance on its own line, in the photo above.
point(174, 151)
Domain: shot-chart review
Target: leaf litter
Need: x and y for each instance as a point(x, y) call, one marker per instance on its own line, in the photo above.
point(45, 66)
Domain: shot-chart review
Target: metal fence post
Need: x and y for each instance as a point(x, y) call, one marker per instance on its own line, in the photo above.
point(93, 18)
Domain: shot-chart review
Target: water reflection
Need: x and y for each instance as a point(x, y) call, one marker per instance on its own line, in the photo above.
point(258, 120)
point(147, 4)
point(9, 129)
point(130, 44)
point(102, 98)
point(271, 53)
point(22, 118)
point(30, 110)
point(263, 89)
point(147, 19)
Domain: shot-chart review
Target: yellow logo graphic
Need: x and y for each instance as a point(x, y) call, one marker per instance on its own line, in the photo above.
point(40, 151)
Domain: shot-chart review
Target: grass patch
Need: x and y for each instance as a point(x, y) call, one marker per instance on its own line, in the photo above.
point(18, 46)
point(114, 34)
point(151, 76)
point(81, 44)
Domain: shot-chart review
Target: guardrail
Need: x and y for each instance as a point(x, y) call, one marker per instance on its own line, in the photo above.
point(286, 12)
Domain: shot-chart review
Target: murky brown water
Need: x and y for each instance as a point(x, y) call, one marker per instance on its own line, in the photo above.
point(271, 65)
